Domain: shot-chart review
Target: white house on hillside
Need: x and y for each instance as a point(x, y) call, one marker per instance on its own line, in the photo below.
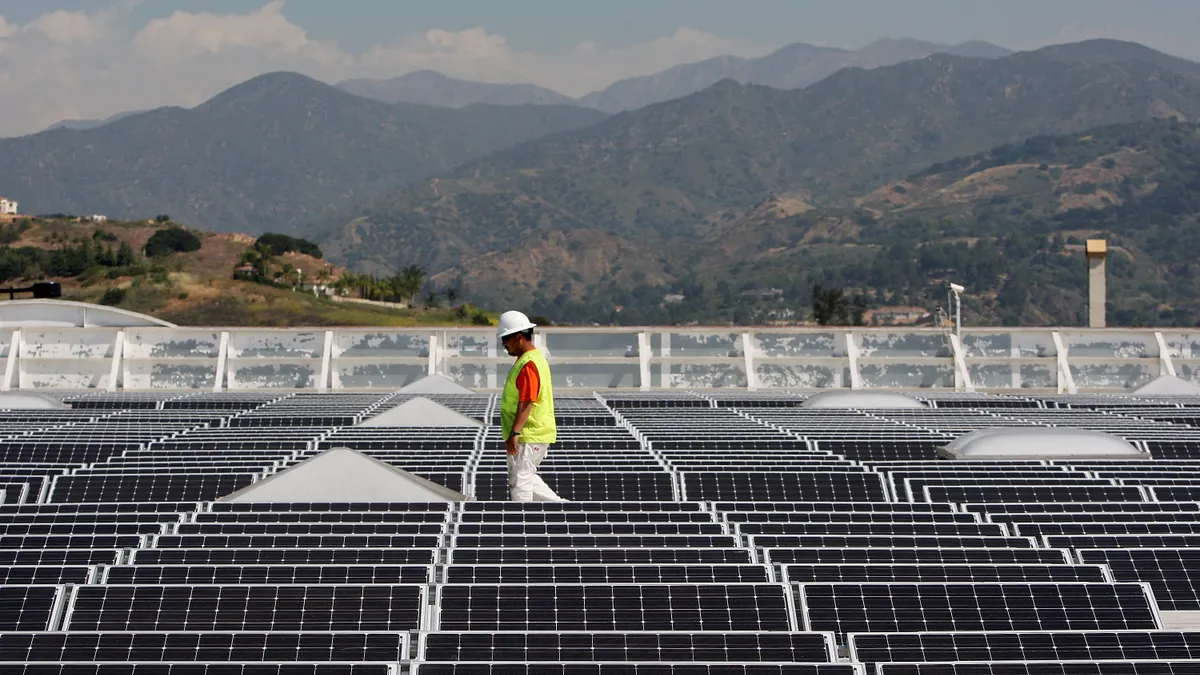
point(7, 208)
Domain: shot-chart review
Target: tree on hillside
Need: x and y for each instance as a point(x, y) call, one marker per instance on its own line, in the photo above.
point(279, 244)
point(125, 256)
point(412, 279)
point(171, 240)
point(828, 305)
point(831, 307)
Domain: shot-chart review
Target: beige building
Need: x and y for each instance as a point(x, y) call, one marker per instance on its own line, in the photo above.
point(7, 207)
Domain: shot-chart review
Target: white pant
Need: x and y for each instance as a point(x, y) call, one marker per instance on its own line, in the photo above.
point(523, 481)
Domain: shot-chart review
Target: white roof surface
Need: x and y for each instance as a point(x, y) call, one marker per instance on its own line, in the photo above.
point(343, 475)
point(1040, 443)
point(420, 412)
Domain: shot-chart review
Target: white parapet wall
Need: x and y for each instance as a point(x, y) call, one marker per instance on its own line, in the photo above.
point(148, 358)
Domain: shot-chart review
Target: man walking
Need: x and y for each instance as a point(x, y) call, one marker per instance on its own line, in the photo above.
point(526, 410)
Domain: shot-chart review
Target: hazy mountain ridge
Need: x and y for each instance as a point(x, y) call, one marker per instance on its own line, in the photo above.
point(274, 153)
point(665, 170)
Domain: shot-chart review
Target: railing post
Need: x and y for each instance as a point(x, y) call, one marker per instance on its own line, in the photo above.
point(1066, 381)
point(852, 356)
point(222, 351)
point(10, 364)
point(491, 354)
point(962, 376)
point(1165, 365)
point(748, 355)
point(643, 360)
point(326, 360)
point(114, 369)
point(431, 366)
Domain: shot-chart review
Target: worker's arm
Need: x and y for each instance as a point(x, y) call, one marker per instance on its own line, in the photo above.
point(523, 409)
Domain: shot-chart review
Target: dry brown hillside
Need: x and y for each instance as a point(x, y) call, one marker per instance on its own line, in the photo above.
point(187, 288)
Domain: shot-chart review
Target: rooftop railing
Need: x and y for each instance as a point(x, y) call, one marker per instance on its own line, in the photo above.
point(1065, 360)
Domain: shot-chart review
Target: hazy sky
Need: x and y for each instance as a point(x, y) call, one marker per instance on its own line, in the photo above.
point(92, 58)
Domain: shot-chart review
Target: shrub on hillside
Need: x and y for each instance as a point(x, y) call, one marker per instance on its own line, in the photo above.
point(112, 297)
point(278, 244)
point(172, 240)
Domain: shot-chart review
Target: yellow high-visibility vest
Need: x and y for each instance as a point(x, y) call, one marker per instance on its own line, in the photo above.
point(540, 427)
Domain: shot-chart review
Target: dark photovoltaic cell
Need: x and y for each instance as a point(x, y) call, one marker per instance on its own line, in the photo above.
point(704, 647)
point(1045, 668)
point(898, 607)
point(677, 607)
point(240, 646)
point(1024, 646)
point(249, 608)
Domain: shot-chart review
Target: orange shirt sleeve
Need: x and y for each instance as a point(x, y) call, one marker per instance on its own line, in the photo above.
point(529, 383)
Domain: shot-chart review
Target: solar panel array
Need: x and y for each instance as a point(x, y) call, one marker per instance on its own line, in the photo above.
point(706, 532)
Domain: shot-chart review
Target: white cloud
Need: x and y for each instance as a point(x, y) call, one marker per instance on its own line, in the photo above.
point(94, 64)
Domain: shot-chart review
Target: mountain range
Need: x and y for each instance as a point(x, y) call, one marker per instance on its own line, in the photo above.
point(663, 177)
point(573, 212)
point(270, 154)
point(794, 66)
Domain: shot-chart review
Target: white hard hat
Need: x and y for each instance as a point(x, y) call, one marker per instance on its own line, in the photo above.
point(513, 322)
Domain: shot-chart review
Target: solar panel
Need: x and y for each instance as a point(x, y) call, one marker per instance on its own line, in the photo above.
point(43, 574)
point(195, 668)
point(209, 646)
point(1044, 668)
point(246, 608)
point(579, 486)
point(492, 647)
point(1173, 574)
point(928, 556)
point(267, 574)
point(439, 668)
point(618, 607)
point(798, 486)
point(460, 555)
point(898, 607)
point(598, 541)
point(27, 607)
point(610, 574)
point(1024, 646)
point(942, 572)
point(284, 556)
point(1042, 493)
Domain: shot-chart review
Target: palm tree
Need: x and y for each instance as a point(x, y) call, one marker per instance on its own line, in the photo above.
point(452, 295)
point(413, 279)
